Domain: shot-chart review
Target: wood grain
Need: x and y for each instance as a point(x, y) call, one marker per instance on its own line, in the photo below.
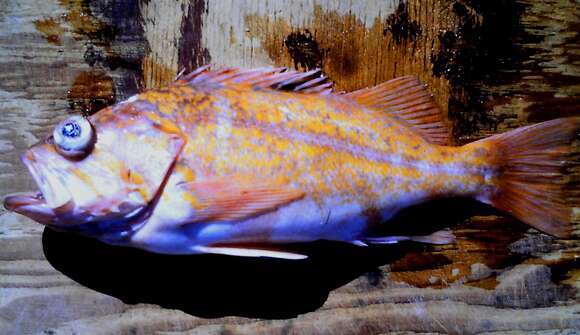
point(491, 65)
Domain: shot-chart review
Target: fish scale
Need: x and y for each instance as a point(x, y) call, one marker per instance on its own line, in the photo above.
point(310, 142)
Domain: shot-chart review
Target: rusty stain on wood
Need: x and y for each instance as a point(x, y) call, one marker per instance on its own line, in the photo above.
point(80, 18)
point(51, 29)
point(84, 22)
point(91, 92)
point(156, 74)
point(351, 54)
point(81, 23)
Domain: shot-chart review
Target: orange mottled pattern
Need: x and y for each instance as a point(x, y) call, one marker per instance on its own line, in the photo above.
point(322, 145)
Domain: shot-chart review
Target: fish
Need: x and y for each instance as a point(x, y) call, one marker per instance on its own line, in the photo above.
point(245, 161)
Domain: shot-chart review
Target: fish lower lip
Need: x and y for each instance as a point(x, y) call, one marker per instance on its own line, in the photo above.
point(13, 202)
point(30, 206)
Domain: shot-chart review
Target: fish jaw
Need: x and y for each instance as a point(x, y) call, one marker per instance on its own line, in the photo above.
point(41, 206)
point(55, 205)
point(31, 205)
point(51, 188)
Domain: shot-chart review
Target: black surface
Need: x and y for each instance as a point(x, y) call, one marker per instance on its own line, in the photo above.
point(217, 286)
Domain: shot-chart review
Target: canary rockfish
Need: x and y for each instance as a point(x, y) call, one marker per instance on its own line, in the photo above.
point(239, 161)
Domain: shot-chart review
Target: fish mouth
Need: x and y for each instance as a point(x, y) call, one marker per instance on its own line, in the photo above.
point(32, 205)
point(14, 201)
point(42, 205)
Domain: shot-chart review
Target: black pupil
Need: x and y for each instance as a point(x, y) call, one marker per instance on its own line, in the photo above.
point(71, 129)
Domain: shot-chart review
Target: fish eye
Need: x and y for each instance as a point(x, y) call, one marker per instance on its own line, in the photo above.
point(74, 137)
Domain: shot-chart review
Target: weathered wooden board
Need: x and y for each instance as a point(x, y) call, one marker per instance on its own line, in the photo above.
point(492, 66)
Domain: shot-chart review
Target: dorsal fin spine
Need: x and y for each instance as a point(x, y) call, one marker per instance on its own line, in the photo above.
point(311, 82)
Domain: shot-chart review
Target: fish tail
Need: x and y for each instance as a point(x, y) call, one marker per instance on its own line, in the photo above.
point(530, 180)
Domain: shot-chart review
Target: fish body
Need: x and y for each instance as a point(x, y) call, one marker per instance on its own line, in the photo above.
point(329, 149)
point(219, 160)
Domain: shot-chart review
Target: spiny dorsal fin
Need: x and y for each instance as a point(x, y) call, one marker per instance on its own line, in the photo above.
point(280, 78)
point(407, 99)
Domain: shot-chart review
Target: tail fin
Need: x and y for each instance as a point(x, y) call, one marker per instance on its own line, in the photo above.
point(532, 184)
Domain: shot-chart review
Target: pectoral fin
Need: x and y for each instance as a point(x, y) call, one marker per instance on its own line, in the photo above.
point(236, 198)
point(249, 252)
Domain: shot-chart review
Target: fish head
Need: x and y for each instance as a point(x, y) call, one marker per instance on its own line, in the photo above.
point(106, 169)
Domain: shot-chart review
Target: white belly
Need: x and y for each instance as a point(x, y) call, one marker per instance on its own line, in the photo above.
point(301, 221)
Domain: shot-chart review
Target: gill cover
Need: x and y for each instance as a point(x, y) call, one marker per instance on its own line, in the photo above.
point(145, 145)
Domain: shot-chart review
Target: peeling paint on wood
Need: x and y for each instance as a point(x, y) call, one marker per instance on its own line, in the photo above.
point(191, 54)
point(162, 28)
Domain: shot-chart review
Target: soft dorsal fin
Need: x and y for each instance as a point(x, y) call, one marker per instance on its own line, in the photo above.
point(280, 78)
point(407, 99)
